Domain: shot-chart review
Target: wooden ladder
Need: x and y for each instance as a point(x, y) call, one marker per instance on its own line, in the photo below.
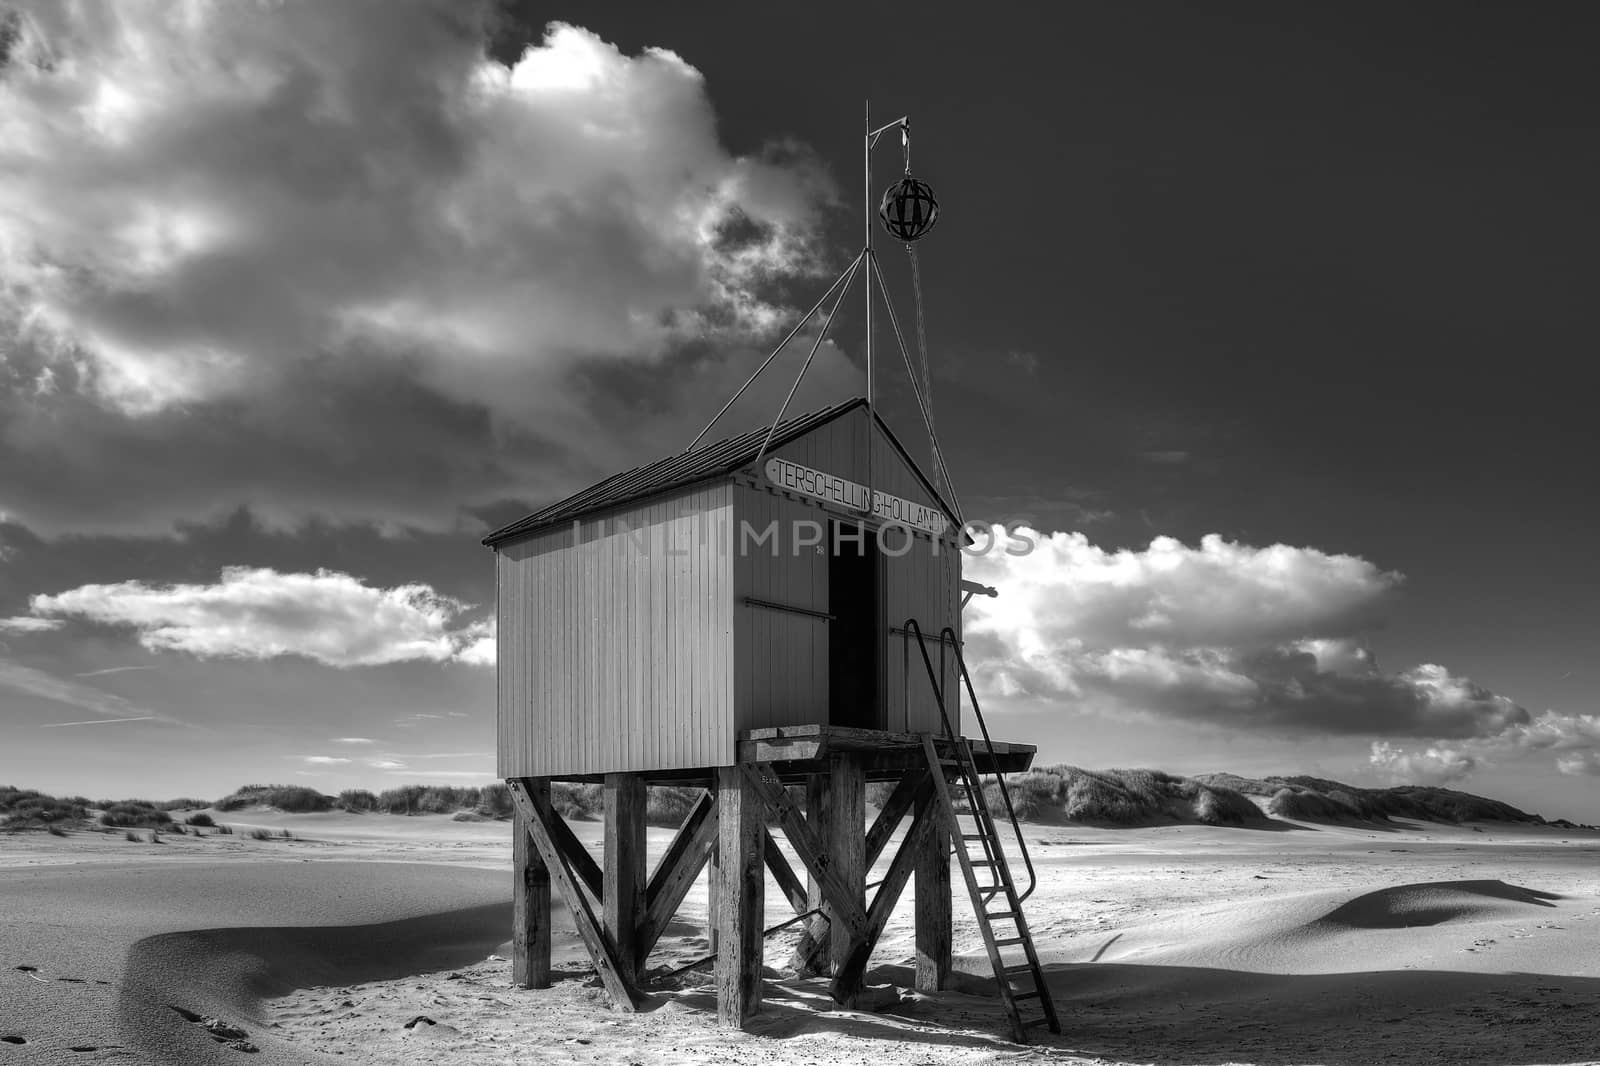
point(1003, 928)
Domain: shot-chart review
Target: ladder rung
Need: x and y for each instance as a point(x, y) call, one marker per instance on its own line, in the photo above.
point(1018, 970)
point(1015, 996)
point(974, 836)
point(1000, 914)
point(1010, 941)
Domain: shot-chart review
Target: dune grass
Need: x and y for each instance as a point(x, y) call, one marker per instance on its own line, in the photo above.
point(294, 799)
point(1318, 799)
point(134, 814)
point(183, 803)
point(1121, 797)
point(32, 809)
point(1052, 794)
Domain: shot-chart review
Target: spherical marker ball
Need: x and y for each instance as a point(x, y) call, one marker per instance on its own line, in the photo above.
point(909, 209)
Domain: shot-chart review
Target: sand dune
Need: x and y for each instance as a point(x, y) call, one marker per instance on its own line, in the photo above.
point(1410, 906)
point(1182, 944)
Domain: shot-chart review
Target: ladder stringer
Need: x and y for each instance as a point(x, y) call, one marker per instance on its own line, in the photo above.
point(982, 896)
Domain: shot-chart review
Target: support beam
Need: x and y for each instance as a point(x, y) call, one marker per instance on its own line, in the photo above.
point(894, 811)
point(847, 851)
point(807, 844)
point(624, 871)
point(583, 864)
point(933, 907)
point(685, 857)
point(530, 916)
point(789, 883)
point(601, 951)
point(741, 885)
point(852, 965)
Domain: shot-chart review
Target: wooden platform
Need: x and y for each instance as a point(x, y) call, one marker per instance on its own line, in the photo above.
point(796, 750)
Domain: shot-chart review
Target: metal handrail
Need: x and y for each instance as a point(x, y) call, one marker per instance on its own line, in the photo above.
point(912, 627)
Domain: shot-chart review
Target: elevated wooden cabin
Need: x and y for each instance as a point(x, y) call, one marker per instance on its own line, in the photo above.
point(646, 622)
point(736, 617)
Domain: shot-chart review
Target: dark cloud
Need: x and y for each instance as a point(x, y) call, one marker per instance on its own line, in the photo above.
point(322, 263)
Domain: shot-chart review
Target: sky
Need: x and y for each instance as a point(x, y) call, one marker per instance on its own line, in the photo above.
point(1264, 325)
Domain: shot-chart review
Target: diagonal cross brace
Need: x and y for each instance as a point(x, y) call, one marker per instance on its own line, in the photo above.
point(847, 978)
point(808, 847)
point(685, 857)
point(601, 950)
point(895, 808)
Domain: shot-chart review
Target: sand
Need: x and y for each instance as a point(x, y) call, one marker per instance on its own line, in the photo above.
point(1177, 945)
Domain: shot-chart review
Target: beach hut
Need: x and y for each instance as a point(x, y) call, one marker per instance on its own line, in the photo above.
point(774, 619)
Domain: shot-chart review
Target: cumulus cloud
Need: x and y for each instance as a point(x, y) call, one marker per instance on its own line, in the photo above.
point(1169, 594)
point(330, 259)
point(479, 650)
point(1580, 764)
point(1432, 766)
point(1269, 639)
point(1574, 739)
point(332, 618)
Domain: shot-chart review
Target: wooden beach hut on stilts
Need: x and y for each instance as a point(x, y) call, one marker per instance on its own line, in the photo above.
point(772, 615)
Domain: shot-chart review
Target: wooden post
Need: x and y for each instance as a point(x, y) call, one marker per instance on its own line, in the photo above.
point(811, 956)
point(530, 916)
point(740, 874)
point(849, 970)
point(933, 905)
point(847, 845)
point(713, 902)
point(602, 952)
point(624, 872)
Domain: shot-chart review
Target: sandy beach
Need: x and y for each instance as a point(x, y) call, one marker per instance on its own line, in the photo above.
point(1176, 945)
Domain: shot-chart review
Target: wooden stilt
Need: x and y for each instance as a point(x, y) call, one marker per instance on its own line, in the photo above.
point(595, 938)
point(624, 871)
point(852, 964)
point(530, 916)
point(933, 907)
point(741, 885)
point(811, 954)
point(713, 902)
point(846, 842)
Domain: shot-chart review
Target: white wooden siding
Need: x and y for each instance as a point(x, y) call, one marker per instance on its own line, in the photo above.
point(616, 642)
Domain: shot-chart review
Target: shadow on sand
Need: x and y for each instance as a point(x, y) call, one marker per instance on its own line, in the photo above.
point(174, 978)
